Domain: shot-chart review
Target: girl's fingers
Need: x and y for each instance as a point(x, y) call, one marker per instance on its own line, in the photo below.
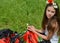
point(29, 29)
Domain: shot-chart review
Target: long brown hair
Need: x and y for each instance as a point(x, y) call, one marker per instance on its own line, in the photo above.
point(53, 20)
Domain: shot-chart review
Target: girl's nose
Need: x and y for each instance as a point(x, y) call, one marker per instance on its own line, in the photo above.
point(49, 13)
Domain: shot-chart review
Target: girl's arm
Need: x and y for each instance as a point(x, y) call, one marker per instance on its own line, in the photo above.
point(39, 31)
point(44, 36)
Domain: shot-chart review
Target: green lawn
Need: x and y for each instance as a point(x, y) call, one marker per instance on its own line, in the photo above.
point(15, 14)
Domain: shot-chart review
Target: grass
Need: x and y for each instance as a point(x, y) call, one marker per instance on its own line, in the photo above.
point(15, 14)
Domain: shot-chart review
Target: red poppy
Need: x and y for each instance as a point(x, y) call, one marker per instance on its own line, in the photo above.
point(30, 37)
point(50, 1)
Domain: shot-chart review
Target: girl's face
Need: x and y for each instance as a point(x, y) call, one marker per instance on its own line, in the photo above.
point(50, 12)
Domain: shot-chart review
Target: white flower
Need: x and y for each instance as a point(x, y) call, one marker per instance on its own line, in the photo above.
point(54, 3)
point(47, 2)
point(55, 6)
point(27, 24)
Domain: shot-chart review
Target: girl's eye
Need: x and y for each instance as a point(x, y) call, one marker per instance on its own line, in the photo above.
point(52, 11)
point(48, 10)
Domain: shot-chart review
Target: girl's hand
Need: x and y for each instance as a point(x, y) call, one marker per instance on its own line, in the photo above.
point(31, 28)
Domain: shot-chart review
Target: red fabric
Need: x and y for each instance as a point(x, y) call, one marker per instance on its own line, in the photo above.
point(7, 40)
point(2, 40)
point(30, 37)
point(50, 1)
point(12, 35)
point(17, 41)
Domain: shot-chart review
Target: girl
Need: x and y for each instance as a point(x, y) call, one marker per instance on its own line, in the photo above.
point(50, 24)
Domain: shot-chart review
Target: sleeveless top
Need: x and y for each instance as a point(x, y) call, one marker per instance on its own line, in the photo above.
point(54, 38)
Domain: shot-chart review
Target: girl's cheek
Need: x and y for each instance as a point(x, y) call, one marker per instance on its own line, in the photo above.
point(53, 13)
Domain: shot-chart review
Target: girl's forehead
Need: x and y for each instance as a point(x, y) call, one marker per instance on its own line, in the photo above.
point(50, 8)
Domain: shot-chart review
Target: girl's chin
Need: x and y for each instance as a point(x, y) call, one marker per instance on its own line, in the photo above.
point(48, 17)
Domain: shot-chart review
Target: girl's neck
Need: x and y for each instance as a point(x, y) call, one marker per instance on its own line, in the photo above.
point(49, 20)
